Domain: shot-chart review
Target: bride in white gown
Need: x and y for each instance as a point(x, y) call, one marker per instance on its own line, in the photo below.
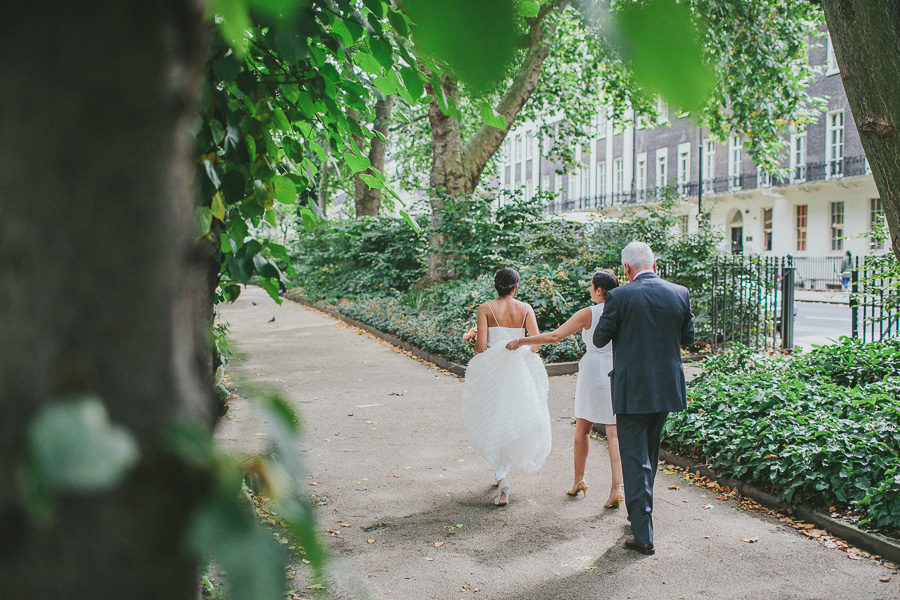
point(505, 393)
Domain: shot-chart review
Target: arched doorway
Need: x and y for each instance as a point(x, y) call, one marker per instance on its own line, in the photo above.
point(736, 225)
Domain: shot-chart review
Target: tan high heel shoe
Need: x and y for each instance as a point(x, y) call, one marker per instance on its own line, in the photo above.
point(581, 486)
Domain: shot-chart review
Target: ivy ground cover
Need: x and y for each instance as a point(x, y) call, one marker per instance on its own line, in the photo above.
point(822, 427)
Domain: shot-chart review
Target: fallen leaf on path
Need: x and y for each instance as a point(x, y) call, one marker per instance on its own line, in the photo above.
point(370, 541)
point(884, 579)
point(313, 483)
point(807, 525)
point(707, 507)
point(429, 559)
point(315, 586)
point(332, 532)
point(752, 540)
point(395, 394)
point(721, 497)
point(349, 414)
point(438, 544)
point(344, 524)
point(674, 487)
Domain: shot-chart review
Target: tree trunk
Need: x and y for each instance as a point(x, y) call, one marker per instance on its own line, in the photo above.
point(98, 285)
point(866, 38)
point(368, 200)
point(456, 166)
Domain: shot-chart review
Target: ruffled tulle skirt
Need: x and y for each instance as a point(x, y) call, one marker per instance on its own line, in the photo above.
point(505, 409)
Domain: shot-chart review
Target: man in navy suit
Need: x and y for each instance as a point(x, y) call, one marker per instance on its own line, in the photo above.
point(647, 321)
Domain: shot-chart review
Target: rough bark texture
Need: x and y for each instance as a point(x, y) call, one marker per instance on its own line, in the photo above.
point(99, 284)
point(457, 166)
point(866, 38)
point(368, 200)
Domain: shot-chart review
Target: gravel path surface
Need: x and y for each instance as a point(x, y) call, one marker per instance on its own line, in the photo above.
point(385, 447)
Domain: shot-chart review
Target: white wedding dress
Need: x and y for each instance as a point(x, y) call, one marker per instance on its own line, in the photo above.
point(505, 404)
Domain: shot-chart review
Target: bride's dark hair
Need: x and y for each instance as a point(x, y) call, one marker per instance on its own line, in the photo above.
point(604, 280)
point(505, 281)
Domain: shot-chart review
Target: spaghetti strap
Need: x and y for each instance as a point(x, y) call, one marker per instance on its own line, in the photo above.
point(524, 318)
point(492, 313)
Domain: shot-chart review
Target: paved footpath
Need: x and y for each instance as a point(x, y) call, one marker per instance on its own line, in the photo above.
point(386, 447)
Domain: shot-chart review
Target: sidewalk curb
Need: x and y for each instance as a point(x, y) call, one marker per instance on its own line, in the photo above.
point(873, 543)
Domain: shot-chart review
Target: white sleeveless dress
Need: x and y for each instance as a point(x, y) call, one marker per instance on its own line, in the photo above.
point(593, 397)
point(504, 404)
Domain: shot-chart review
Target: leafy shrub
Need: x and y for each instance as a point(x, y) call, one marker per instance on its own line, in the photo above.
point(802, 426)
point(360, 257)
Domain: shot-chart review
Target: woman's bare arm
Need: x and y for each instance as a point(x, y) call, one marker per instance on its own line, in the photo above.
point(577, 322)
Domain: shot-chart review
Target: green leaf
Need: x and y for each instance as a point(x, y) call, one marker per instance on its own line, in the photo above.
point(280, 119)
point(491, 117)
point(218, 207)
point(398, 22)
point(477, 38)
point(372, 182)
point(663, 46)
point(227, 529)
point(356, 163)
point(240, 269)
point(269, 217)
point(309, 219)
point(285, 190)
point(320, 152)
point(529, 8)
point(234, 23)
point(382, 52)
point(376, 7)
point(367, 63)
point(387, 85)
point(340, 29)
point(412, 81)
point(410, 220)
point(75, 448)
point(292, 47)
point(227, 68)
point(218, 132)
point(203, 220)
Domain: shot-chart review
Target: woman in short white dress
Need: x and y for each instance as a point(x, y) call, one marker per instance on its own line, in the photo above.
point(505, 393)
point(593, 400)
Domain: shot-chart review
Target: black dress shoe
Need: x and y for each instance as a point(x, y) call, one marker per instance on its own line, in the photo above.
point(642, 548)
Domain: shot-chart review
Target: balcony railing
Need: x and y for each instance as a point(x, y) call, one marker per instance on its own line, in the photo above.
point(847, 166)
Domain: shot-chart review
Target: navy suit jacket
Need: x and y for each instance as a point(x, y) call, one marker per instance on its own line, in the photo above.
point(647, 321)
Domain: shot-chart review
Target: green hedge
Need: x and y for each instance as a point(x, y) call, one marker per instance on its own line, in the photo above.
point(818, 426)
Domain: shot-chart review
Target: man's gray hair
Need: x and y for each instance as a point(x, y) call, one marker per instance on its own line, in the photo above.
point(638, 255)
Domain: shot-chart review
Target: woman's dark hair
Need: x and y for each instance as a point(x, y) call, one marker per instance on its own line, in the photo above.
point(505, 281)
point(604, 280)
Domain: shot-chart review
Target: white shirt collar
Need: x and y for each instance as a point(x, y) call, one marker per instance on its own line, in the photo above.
point(638, 274)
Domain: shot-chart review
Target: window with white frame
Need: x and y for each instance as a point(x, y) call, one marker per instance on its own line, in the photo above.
point(798, 156)
point(709, 165)
point(663, 109)
point(558, 186)
point(601, 125)
point(574, 185)
point(800, 225)
point(600, 176)
point(618, 176)
point(735, 156)
point(876, 219)
point(662, 165)
point(529, 188)
point(767, 229)
point(763, 177)
point(834, 144)
point(683, 225)
point(545, 183)
point(831, 65)
point(837, 225)
point(529, 146)
point(683, 166)
point(641, 175)
point(519, 143)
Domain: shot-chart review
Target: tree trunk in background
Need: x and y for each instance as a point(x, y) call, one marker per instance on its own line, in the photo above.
point(368, 200)
point(100, 285)
point(866, 39)
point(324, 181)
point(457, 166)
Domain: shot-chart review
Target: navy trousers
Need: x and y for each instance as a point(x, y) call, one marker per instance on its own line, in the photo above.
point(639, 437)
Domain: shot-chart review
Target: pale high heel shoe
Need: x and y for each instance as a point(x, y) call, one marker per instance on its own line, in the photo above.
point(503, 488)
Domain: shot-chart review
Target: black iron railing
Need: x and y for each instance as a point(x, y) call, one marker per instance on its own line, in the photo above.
point(875, 299)
point(847, 166)
point(753, 302)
